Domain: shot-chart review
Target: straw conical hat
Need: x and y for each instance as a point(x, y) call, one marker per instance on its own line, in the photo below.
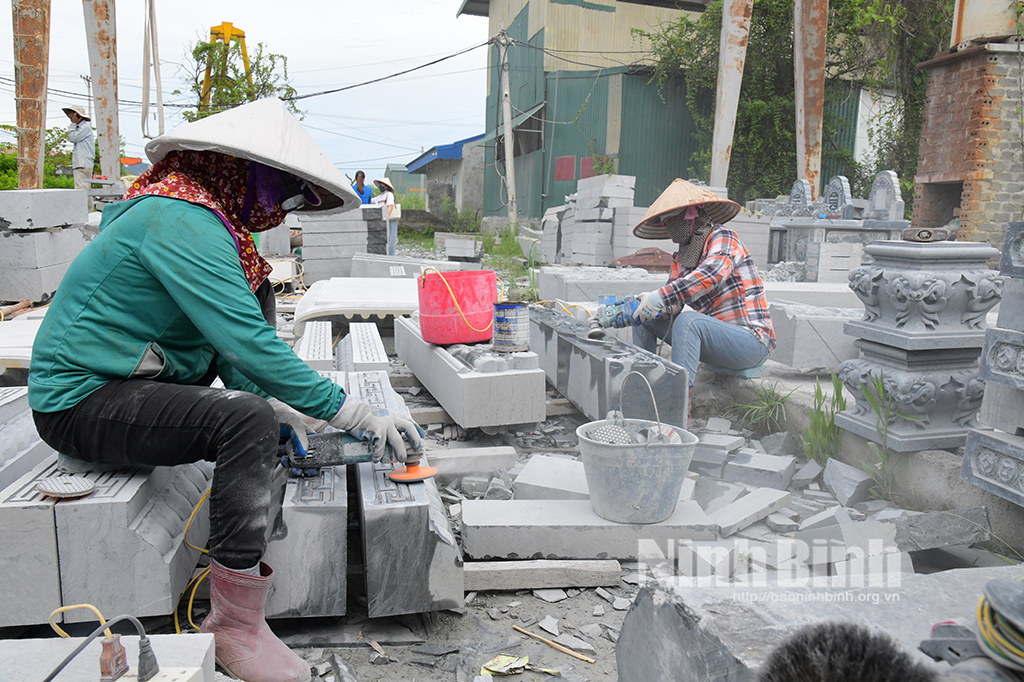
point(679, 195)
point(385, 182)
point(264, 131)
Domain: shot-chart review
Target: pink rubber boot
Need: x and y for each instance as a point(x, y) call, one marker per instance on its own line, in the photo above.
point(245, 646)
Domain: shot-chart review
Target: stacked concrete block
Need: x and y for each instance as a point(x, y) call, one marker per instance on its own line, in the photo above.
point(994, 459)
point(413, 562)
point(923, 328)
point(330, 241)
point(314, 346)
point(20, 446)
point(812, 336)
point(16, 339)
point(41, 232)
point(596, 200)
point(624, 242)
point(362, 349)
point(551, 242)
point(592, 373)
point(475, 385)
point(121, 548)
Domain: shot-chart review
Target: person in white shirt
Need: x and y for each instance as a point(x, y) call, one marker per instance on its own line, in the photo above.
point(84, 153)
point(387, 197)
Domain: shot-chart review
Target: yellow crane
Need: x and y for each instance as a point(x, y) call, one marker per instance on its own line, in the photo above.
point(225, 33)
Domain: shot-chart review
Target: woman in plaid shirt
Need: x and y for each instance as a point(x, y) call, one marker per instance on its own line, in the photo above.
point(712, 273)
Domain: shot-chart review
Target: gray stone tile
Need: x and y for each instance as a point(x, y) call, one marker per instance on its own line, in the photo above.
point(749, 509)
point(754, 469)
point(805, 475)
point(849, 484)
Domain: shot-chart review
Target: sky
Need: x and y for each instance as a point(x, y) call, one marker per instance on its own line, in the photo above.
point(329, 44)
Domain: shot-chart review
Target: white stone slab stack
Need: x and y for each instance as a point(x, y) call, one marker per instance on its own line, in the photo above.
point(329, 242)
point(41, 232)
point(314, 346)
point(596, 200)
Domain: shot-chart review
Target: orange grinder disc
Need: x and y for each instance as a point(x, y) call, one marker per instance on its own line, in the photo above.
point(412, 472)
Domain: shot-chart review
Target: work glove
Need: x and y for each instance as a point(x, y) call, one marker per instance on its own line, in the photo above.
point(649, 307)
point(293, 428)
point(378, 426)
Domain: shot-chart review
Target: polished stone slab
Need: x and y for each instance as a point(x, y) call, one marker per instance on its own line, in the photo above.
point(38, 249)
point(33, 209)
point(412, 561)
point(362, 349)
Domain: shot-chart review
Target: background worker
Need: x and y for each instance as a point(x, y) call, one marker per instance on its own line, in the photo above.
point(173, 293)
point(387, 197)
point(364, 191)
point(83, 154)
point(714, 274)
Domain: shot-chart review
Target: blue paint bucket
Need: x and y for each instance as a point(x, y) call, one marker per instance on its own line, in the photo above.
point(511, 327)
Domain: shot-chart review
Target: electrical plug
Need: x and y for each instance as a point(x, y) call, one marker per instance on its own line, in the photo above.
point(113, 659)
point(148, 667)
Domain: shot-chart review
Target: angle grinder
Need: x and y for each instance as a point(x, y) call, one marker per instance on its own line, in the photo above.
point(340, 447)
point(618, 314)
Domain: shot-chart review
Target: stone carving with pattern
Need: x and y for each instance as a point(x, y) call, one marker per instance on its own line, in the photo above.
point(1003, 358)
point(1012, 261)
point(837, 194)
point(994, 461)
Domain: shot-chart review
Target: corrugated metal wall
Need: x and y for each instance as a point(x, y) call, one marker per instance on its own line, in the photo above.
point(657, 138)
point(577, 115)
point(842, 102)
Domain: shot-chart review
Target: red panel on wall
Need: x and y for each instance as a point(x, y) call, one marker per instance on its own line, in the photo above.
point(565, 168)
point(587, 167)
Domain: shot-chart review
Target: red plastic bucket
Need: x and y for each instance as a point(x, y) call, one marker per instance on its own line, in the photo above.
point(442, 296)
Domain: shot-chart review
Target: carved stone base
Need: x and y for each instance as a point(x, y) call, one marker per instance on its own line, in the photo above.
point(994, 461)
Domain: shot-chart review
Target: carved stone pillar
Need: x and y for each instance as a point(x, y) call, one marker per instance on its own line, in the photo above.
point(922, 332)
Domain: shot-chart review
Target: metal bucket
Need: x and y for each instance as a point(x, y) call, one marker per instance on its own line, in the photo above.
point(511, 327)
point(638, 482)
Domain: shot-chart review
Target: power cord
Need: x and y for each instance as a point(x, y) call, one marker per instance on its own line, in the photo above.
point(148, 667)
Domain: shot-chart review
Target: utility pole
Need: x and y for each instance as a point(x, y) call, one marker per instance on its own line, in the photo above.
point(88, 89)
point(506, 113)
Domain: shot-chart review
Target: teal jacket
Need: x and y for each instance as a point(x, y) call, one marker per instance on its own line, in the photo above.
point(160, 294)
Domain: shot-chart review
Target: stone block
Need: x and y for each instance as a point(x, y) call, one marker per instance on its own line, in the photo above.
point(356, 296)
point(712, 495)
point(779, 444)
point(33, 209)
point(1011, 262)
point(314, 346)
point(1002, 360)
point(590, 283)
point(552, 478)
point(994, 461)
point(16, 339)
point(13, 401)
point(755, 469)
point(142, 563)
point(568, 529)
point(178, 656)
point(33, 284)
point(691, 632)
point(476, 386)
point(21, 449)
point(749, 509)
point(557, 478)
point(412, 560)
point(849, 484)
point(833, 516)
point(28, 553)
point(26, 250)
point(781, 524)
point(806, 475)
point(318, 270)
point(307, 547)
point(456, 463)
point(507, 576)
point(810, 336)
point(933, 530)
point(1011, 307)
point(828, 262)
point(1002, 408)
point(362, 349)
point(591, 374)
point(372, 265)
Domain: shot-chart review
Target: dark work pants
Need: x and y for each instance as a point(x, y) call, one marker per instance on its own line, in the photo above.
point(138, 422)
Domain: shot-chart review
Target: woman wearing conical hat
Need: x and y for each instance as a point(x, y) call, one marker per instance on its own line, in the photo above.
point(712, 273)
point(171, 294)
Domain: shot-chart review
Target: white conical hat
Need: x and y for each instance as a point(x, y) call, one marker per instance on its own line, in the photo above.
point(678, 195)
point(267, 132)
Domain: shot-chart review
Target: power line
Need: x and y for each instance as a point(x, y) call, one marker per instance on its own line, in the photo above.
point(388, 77)
point(359, 139)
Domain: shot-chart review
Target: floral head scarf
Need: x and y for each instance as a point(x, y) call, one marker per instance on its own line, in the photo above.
point(245, 196)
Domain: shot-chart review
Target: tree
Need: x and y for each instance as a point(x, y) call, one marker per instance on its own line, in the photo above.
point(229, 86)
point(874, 43)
